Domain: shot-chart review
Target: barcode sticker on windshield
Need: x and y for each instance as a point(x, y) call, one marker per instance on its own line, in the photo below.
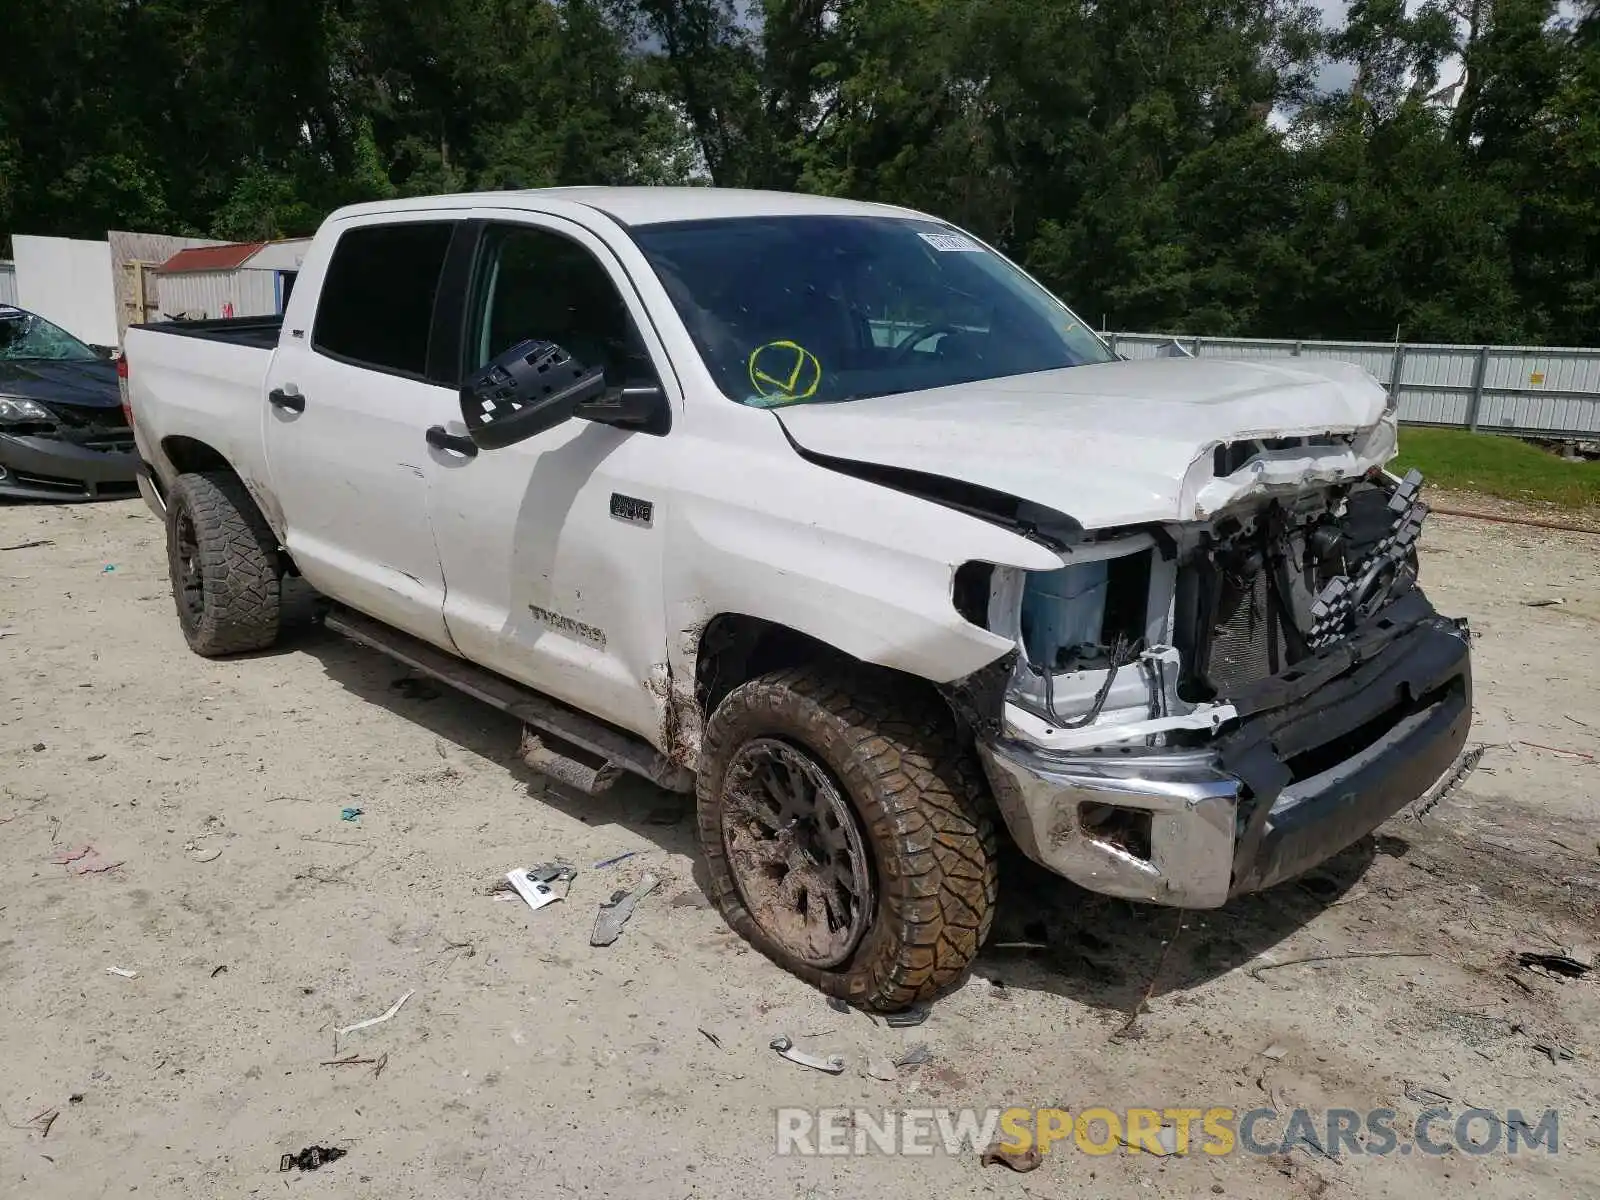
point(951, 243)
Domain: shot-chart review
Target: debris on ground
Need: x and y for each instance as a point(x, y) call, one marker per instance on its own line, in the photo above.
point(350, 814)
point(611, 862)
point(28, 545)
point(537, 891)
point(1548, 603)
point(710, 1037)
point(40, 1122)
point(915, 1057)
point(108, 568)
point(614, 913)
point(202, 854)
point(1255, 972)
point(39, 747)
point(311, 1158)
point(1558, 750)
point(1466, 763)
point(379, 1020)
point(85, 860)
point(350, 1060)
point(833, 1064)
point(880, 1067)
point(1563, 966)
point(215, 971)
point(1166, 1142)
point(689, 898)
point(1274, 1052)
point(1555, 1051)
point(1418, 1094)
point(122, 972)
point(906, 1018)
point(839, 1004)
point(998, 1155)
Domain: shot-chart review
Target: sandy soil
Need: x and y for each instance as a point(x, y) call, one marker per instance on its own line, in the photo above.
point(527, 1062)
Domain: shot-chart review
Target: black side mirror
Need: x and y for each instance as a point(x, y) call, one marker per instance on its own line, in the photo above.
point(636, 406)
point(530, 388)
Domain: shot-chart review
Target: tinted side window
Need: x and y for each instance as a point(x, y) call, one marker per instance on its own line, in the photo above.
point(376, 306)
point(532, 283)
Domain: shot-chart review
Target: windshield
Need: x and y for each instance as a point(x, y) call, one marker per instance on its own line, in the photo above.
point(26, 335)
point(791, 310)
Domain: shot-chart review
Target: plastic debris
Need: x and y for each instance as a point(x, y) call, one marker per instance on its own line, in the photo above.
point(536, 891)
point(915, 1015)
point(832, 1065)
point(998, 1155)
point(614, 913)
point(915, 1057)
point(1274, 1052)
point(108, 568)
point(350, 814)
point(377, 1020)
point(611, 862)
point(1555, 1050)
point(311, 1158)
point(880, 1068)
point(1563, 965)
point(123, 972)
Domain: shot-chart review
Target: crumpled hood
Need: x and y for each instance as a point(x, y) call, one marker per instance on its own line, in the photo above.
point(90, 383)
point(1116, 443)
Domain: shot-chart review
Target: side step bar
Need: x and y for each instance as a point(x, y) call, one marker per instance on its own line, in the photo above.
point(616, 748)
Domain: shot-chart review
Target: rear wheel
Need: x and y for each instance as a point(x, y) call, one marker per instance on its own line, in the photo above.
point(225, 567)
point(841, 822)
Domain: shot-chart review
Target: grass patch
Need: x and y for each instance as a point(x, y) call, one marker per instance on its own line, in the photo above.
point(1497, 466)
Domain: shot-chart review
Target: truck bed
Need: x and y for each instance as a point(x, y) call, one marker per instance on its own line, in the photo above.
point(261, 332)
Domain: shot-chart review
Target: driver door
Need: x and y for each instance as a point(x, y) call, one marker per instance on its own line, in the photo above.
point(552, 546)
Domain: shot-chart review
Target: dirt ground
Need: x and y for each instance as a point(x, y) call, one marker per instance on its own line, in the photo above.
point(527, 1062)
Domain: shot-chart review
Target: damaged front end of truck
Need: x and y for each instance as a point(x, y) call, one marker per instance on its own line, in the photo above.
point(1197, 709)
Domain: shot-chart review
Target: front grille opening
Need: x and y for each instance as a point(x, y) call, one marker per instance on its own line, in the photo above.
point(1330, 754)
point(1125, 829)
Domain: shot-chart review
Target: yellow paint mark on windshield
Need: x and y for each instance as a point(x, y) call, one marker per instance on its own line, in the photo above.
point(784, 371)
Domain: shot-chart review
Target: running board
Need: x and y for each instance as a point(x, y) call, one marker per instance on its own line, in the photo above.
point(616, 748)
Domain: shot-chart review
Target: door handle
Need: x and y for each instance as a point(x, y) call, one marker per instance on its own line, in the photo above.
point(288, 401)
point(442, 439)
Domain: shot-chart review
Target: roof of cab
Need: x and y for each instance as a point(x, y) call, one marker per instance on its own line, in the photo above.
point(647, 205)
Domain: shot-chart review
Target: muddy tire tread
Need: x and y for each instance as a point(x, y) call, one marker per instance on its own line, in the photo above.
point(239, 560)
point(921, 797)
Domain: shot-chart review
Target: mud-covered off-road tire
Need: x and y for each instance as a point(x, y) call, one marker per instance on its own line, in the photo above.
point(917, 793)
point(217, 538)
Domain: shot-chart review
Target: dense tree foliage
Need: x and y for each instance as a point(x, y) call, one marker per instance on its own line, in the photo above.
point(1209, 166)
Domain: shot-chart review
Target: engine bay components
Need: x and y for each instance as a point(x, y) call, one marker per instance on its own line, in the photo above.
point(1144, 634)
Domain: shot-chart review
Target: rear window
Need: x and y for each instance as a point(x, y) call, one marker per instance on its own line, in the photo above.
point(376, 308)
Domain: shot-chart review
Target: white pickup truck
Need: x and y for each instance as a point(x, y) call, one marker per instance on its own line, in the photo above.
point(830, 514)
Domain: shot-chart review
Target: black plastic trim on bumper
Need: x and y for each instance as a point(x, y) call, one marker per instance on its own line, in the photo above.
point(41, 468)
point(1423, 679)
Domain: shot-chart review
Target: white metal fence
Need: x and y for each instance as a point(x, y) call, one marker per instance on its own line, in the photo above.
point(1548, 390)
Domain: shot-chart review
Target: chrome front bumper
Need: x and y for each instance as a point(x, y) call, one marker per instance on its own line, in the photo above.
point(1267, 800)
point(1192, 807)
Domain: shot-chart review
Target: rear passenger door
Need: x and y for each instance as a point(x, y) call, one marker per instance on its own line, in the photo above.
point(351, 394)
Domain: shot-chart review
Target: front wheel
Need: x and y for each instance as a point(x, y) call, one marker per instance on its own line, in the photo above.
point(841, 821)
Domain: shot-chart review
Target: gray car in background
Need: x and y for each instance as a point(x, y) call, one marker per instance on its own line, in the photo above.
point(63, 432)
